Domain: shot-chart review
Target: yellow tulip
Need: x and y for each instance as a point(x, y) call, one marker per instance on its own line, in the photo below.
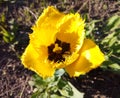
point(58, 41)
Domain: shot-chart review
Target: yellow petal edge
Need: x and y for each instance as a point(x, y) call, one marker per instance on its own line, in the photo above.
point(90, 58)
point(31, 60)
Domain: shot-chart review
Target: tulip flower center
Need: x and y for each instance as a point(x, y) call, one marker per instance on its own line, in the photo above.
point(58, 51)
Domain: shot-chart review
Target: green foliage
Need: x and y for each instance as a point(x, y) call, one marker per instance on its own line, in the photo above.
point(7, 36)
point(112, 24)
point(90, 28)
point(111, 44)
point(53, 87)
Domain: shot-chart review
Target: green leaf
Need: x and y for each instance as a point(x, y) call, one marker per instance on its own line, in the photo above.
point(35, 95)
point(4, 32)
point(56, 96)
point(31, 83)
point(90, 27)
point(64, 93)
point(113, 23)
point(61, 84)
point(112, 41)
point(2, 17)
point(111, 65)
point(115, 66)
point(6, 39)
point(64, 88)
point(76, 93)
point(7, 36)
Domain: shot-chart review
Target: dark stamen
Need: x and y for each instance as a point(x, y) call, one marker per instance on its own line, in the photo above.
point(65, 47)
point(50, 48)
point(58, 42)
point(51, 56)
point(58, 56)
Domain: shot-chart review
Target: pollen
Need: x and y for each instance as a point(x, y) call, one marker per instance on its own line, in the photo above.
point(57, 49)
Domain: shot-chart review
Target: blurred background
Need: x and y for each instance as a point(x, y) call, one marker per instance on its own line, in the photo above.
point(102, 25)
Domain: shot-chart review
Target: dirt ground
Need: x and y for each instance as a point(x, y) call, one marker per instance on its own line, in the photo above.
point(14, 77)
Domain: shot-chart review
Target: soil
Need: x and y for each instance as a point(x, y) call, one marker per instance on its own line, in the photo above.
point(14, 77)
point(99, 84)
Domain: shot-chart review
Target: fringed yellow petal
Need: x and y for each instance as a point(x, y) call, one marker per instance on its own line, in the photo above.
point(36, 62)
point(71, 30)
point(90, 57)
point(46, 27)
